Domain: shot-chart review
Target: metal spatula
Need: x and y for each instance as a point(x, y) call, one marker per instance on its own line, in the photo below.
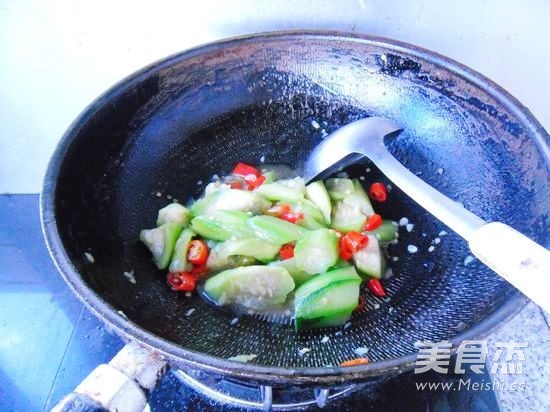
point(519, 260)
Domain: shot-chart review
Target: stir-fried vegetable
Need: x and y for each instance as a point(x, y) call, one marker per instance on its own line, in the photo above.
point(179, 259)
point(327, 297)
point(222, 225)
point(251, 286)
point(174, 212)
point(261, 242)
point(161, 242)
point(316, 251)
point(232, 199)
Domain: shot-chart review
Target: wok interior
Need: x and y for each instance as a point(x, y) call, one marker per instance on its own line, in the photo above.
point(165, 132)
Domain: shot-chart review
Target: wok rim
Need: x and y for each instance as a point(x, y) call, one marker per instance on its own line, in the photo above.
point(175, 353)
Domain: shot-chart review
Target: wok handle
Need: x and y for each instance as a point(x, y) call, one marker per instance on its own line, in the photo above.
point(118, 385)
point(522, 262)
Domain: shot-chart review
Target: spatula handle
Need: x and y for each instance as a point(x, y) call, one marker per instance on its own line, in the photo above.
point(515, 257)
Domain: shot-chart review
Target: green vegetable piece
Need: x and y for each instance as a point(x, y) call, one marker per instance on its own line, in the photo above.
point(348, 217)
point(333, 299)
point(350, 213)
point(216, 263)
point(259, 249)
point(298, 275)
point(278, 192)
point(161, 241)
point(386, 232)
point(307, 207)
point(179, 260)
point(275, 230)
point(342, 264)
point(364, 204)
point(174, 212)
point(316, 251)
point(296, 183)
point(244, 261)
point(338, 188)
point(222, 225)
point(313, 217)
point(311, 224)
point(371, 261)
point(270, 176)
point(317, 193)
point(320, 281)
point(256, 287)
point(337, 319)
point(230, 199)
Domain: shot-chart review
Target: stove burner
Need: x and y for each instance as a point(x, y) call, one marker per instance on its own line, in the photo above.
point(241, 394)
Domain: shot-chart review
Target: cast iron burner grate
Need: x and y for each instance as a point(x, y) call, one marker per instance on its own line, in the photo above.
point(243, 395)
point(212, 392)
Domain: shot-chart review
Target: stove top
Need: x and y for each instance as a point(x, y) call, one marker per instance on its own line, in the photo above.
point(49, 342)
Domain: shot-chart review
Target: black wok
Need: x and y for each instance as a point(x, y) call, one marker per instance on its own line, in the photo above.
point(162, 130)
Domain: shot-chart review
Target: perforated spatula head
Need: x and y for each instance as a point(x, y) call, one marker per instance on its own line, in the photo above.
point(361, 138)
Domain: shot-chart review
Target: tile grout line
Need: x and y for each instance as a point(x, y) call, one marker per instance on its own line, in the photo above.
point(62, 358)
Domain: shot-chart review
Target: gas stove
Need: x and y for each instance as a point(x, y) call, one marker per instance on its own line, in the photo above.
point(49, 342)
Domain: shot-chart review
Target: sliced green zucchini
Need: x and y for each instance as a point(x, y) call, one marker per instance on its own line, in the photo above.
point(278, 192)
point(244, 261)
point(270, 176)
point(222, 225)
point(257, 287)
point(275, 230)
point(371, 261)
point(216, 263)
point(386, 232)
point(161, 242)
point(342, 264)
point(257, 248)
point(347, 217)
point(320, 281)
point(338, 319)
point(298, 275)
point(296, 183)
point(316, 251)
point(339, 188)
point(317, 193)
point(313, 217)
point(311, 224)
point(230, 199)
point(307, 207)
point(179, 260)
point(333, 299)
point(174, 212)
point(364, 204)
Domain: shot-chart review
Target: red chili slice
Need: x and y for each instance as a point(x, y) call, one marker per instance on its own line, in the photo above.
point(181, 281)
point(374, 221)
point(378, 192)
point(376, 287)
point(278, 210)
point(292, 217)
point(197, 253)
point(287, 251)
point(345, 253)
point(355, 241)
point(236, 184)
point(200, 272)
point(244, 170)
point(256, 183)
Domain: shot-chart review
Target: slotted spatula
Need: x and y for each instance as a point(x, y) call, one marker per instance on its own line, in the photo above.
point(522, 262)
